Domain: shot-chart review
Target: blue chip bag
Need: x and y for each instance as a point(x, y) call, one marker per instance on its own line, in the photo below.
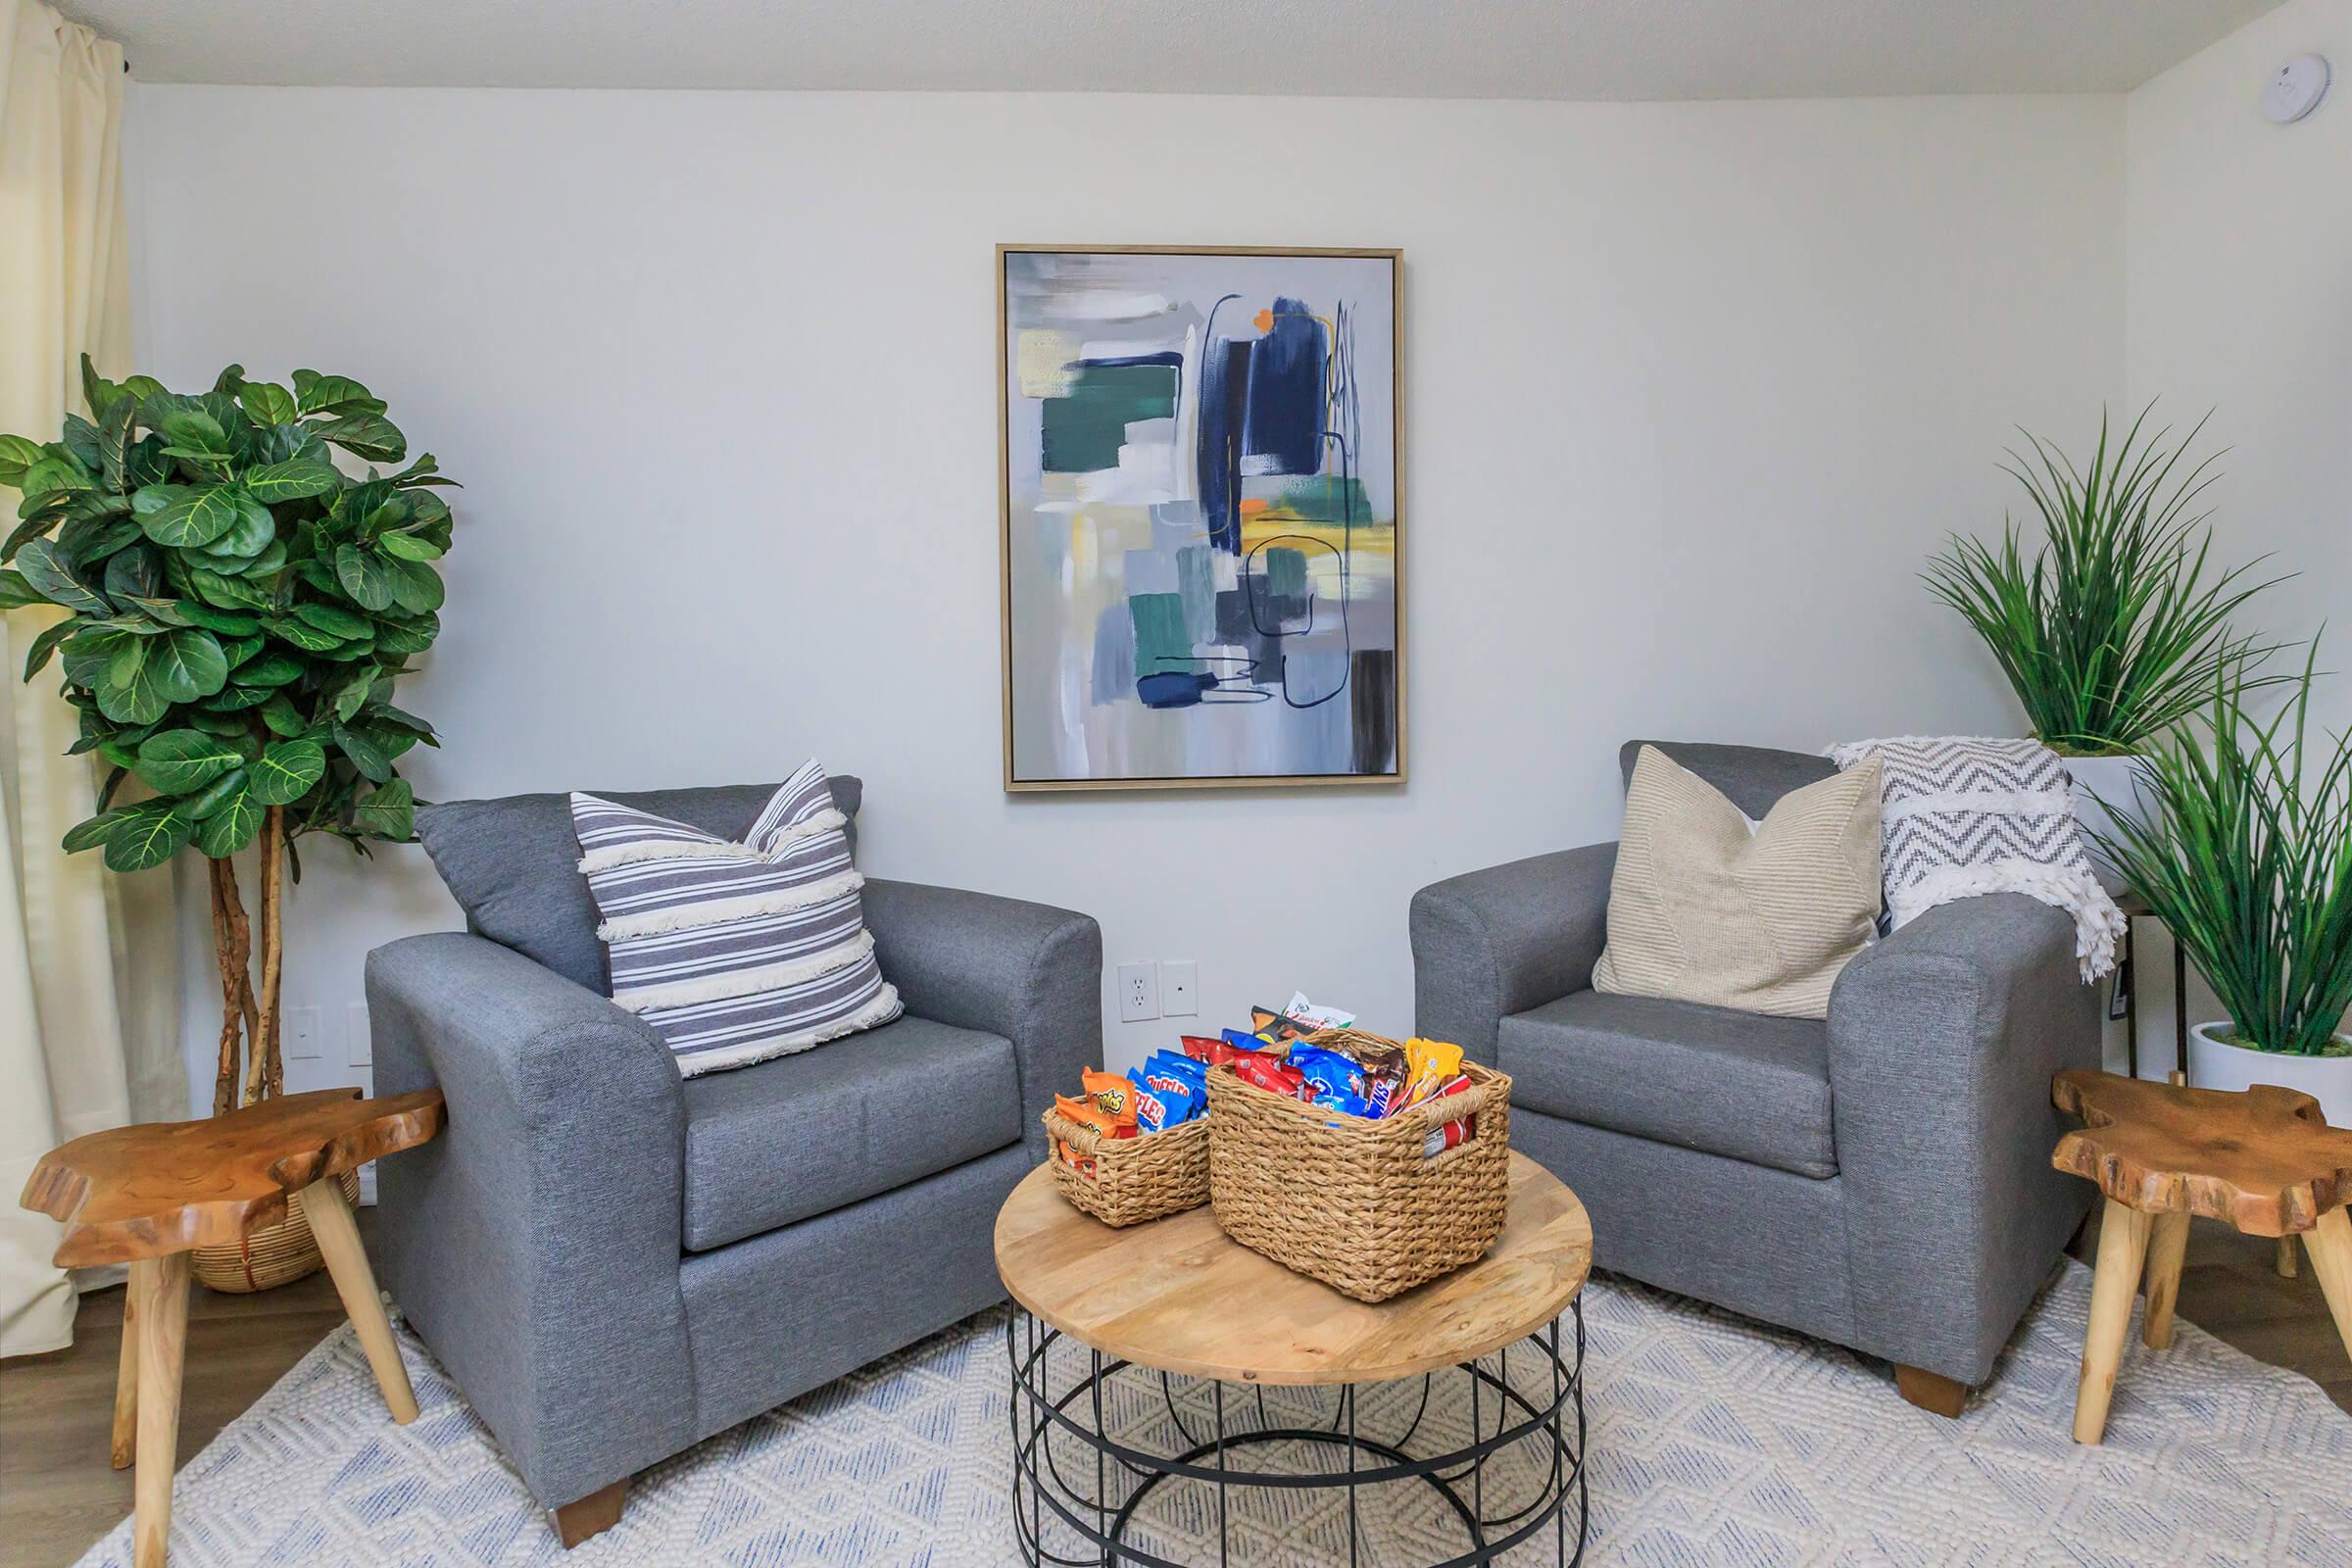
point(1152, 1110)
point(1182, 1094)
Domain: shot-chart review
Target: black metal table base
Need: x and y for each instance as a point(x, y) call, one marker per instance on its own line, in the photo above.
point(1057, 1403)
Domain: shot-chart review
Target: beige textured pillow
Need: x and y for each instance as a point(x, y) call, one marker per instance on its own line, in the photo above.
point(1701, 910)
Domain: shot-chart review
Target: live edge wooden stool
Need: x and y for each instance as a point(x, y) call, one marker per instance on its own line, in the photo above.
point(2265, 1161)
point(146, 1194)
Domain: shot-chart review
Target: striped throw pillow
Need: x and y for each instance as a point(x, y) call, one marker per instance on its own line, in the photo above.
point(735, 953)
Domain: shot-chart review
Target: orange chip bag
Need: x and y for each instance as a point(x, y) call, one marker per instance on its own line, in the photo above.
point(1115, 1092)
point(1090, 1113)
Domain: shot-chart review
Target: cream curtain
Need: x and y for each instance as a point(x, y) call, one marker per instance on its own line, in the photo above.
point(88, 967)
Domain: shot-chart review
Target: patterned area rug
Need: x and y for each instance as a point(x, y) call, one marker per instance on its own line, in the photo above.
point(1712, 1441)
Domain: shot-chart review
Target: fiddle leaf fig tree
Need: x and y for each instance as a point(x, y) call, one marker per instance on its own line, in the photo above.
point(239, 608)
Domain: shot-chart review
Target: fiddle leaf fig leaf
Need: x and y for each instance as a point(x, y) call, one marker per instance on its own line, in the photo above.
point(266, 403)
point(408, 547)
point(387, 812)
point(50, 578)
point(415, 587)
point(296, 480)
point(333, 394)
point(371, 758)
point(93, 831)
point(364, 577)
point(44, 644)
point(335, 620)
point(286, 771)
point(231, 823)
point(216, 795)
point(193, 517)
point(154, 832)
point(175, 762)
point(366, 435)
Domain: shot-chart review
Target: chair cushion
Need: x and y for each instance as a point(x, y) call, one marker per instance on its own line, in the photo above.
point(513, 864)
point(1737, 1084)
point(1751, 777)
point(802, 1135)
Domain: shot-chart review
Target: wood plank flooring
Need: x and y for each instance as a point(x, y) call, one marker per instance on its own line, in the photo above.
point(57, 1494)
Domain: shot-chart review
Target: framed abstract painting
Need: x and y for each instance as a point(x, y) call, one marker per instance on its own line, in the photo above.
point(1203, 584)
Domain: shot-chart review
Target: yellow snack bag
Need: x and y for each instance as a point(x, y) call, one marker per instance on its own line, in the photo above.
point(1431, 1065)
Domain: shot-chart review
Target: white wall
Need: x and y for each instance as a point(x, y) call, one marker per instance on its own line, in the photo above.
point(1690, 391)
point(2238, 299)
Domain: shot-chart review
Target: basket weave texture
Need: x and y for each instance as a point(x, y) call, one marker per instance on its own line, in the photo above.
point(1352, 1201)
point(1135, 1179)
point(269, 1255)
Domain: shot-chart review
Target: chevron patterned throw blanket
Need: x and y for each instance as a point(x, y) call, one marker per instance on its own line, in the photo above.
point(1963, 816)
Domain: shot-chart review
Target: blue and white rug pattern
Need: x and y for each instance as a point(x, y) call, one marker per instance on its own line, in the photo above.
point(1713, 1440)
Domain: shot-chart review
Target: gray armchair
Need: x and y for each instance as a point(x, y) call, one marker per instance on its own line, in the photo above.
point(1880, 1178)
point(614, 1263)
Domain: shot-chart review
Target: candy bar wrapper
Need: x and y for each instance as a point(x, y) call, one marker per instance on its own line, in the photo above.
point(1430, 1064)
point(1385, 1068)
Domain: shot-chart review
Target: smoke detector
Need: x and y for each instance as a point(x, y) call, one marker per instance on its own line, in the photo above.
point(2295, 90)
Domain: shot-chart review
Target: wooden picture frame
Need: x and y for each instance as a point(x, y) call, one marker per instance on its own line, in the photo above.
point(1370, 678)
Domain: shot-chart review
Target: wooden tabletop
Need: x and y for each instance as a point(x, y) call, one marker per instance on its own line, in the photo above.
point(2263, 1159)
point(165, 1187)
point(1179, 1296)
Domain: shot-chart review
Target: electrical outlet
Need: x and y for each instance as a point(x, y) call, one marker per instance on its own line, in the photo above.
point(359, 1045)
point(1139, 992)
point(300, 1042)
point(1178, 980)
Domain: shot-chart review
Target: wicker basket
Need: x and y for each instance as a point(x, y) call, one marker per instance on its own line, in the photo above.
point(1134, 1178)
point(269, 1255)
point(1352, 1201)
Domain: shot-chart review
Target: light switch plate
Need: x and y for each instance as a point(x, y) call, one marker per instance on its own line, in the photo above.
point(1178, 988)
point(1139, 992)
point(300, 1042)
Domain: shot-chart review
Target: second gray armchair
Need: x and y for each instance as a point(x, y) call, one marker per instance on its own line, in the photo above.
point(1880, 1178)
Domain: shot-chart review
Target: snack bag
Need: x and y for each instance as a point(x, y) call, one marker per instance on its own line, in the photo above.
point(1385, 1069)
point(1273, 1026)
point(1328, 1071)
point(1454, 1133)
point(1198, 1047)
point(1113, 1091)
point(1151, 1110)
point(1430, 1065)
point(1236, 1040)
point(1181, 1083)
point(1088, 1114)
point(1267, 1074)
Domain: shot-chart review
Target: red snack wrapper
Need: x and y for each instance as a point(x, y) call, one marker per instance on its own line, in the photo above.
point(1454, 1133)
point(1201, 1048)
point(1267, 1075)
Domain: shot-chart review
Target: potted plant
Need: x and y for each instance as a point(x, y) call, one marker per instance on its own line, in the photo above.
point(2243, 846)
point(237, 610)
point(2111, 631)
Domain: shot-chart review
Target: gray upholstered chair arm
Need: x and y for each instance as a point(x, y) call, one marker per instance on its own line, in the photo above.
point(1030, 972)
point(1942, 1041)
point(1497, 941)
point(535, 1244)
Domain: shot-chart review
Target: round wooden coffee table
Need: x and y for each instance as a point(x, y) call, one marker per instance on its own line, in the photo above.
point(1176, 1298)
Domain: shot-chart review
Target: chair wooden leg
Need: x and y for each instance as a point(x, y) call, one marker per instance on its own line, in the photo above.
point(159, 1290)
point(1931, 1392)
point(591, 1515)
point(2123, 1250)
point(2167, 1244)
point(2330, 1244)
point(125, 1445)
point(338, 1237)
point(2286, 1257)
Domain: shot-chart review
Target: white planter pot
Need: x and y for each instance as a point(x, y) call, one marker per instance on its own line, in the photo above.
point(2116, 779)
point(2214, 1063)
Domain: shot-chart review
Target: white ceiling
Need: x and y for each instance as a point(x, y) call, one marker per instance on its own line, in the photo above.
point(1379, 48)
